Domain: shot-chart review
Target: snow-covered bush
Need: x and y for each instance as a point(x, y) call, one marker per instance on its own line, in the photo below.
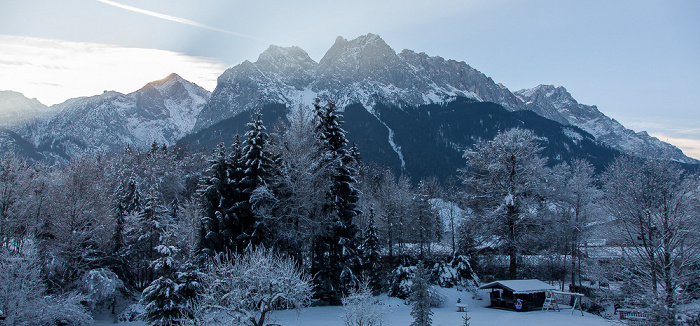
point(437, 299)
point(401, 281)
point(23, 295)
point(443, 275)
point(132, 313)
point(245, 289)
point(362, 309)
point(101, 286)
point(465, 278)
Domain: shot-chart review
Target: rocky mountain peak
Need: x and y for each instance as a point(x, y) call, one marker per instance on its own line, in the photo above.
point(285, 56)
point(547, 93)
point(361, 54)
point(15, 109)
point(291, 64)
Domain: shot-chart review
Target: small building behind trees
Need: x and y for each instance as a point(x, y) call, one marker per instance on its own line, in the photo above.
point(518, 295)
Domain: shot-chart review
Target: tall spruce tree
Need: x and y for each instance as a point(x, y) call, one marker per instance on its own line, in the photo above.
point(169, 300)
point(336, 259)
point(127, 202)
point(372, 261)
point(257, 169)
point(420, 296)
point(218, 193)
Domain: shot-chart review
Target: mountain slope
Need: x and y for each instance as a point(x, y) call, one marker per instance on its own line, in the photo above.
point(429, 140)
point(605, 129)
point(368, 72)
point(162, 111)
point(16, 109)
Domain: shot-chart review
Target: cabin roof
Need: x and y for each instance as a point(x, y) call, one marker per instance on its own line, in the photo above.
point(519, 286)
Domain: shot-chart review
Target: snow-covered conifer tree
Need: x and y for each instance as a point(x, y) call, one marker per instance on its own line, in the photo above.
point(372, 260)
point(257, 165)
point(218, 193)
point(336, 259)
point(164, 307)
point(420, 297)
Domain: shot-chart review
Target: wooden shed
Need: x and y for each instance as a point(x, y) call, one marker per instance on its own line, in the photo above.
point(518, 295)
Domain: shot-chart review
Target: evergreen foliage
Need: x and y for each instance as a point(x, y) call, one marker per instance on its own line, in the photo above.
point(169, 300)
point(336, 260)
point(372, 261)
point(420, 296)
point(219, 192)
point(160, 297)
point(258, 168)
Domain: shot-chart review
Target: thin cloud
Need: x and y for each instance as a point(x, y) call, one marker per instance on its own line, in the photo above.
point(179, 20)
point(55, 70)
point(689, 146)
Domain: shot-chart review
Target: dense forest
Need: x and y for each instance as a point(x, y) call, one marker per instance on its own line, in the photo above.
point(292, 216)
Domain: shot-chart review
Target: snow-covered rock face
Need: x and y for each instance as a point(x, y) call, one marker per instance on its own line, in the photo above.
point(16, 109)
point(368, 71)
point(162, 111)
point(557, 104)
point(364, 70)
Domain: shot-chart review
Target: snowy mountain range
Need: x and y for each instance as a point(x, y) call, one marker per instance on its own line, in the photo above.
point(379, 88)
point(367, 71)
point(162, 111)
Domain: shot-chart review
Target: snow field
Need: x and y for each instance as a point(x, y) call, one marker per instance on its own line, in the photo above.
point(399, 314)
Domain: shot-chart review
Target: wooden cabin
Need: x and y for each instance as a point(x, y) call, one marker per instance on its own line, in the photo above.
point(518, 295)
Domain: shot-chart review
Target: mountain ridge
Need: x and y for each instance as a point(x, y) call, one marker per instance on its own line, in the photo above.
point(367, 71)
point(161, 111)
point(364, 71)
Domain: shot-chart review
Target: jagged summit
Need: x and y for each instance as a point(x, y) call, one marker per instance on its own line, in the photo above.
point(368, 47)
point(364, 71)
point(367, 71)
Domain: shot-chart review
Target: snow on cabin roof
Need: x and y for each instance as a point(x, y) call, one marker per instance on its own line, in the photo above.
point(520, 286)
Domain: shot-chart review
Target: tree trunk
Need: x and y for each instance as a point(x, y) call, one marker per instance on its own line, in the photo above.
point(512, 249)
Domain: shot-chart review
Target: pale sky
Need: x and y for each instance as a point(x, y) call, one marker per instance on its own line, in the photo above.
point(638, 61)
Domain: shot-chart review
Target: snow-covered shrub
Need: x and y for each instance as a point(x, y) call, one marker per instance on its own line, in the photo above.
point(245, 289)
point(362, 309)
point(23, 295)
point(401, 281)
point(465, 278)
point(443, 275)
point(101, 286)
point(132, 313)
point(437, 299)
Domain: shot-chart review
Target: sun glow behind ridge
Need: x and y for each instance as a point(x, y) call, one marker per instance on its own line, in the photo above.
point(53, 70)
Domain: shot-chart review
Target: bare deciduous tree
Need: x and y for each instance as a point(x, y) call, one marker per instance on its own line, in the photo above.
point(247, 288)
point(655, 202)
point(504, 177)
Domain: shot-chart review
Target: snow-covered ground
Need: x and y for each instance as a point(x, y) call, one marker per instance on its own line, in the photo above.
point(399, 314)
